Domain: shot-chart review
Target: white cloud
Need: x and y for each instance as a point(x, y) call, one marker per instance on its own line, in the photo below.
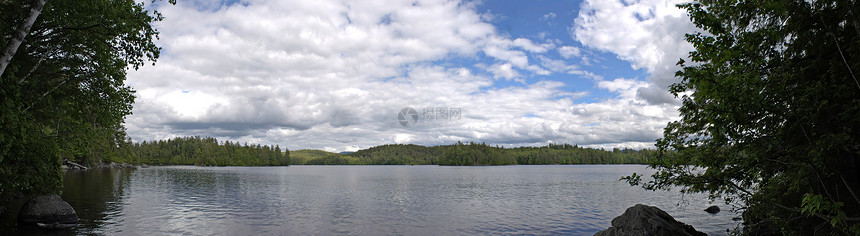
point(325, 74)
point(503, 71)
point(548, 16)
point(627, 88)
point(531, 47)
point(499, 48)
point(190, 104)
point(646, 33)
point(557, 65)
point(649, 34)
point(569, 51)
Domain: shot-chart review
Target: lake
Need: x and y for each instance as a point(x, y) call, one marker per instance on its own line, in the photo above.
point(369, 200)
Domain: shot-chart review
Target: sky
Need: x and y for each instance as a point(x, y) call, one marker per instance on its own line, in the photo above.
point(340, 75)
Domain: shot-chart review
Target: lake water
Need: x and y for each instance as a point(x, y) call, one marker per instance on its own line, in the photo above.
point(369, 200)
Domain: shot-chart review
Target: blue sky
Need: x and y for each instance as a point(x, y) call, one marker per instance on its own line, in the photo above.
point(549, 21)
point(334, 75)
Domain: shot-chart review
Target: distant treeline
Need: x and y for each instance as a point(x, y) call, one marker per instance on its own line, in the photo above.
point(573, 154)
point(473, 154)
point(206, 152)
point(210, 152)
point(393, 154)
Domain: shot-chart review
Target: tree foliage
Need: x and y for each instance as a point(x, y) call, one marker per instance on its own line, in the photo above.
point(63, 92)
point(300, 157)
point(206, 152)
point(399, 154)
point(573, 154)
point(334, 159)
point(770, 114)
point(473, 154)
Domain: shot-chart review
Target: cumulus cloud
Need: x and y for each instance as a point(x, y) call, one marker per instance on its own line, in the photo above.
point(503, 71)
point(648, 34)
point(627, 88)
point(333, 75)
point(569, 51)
point(528, 45)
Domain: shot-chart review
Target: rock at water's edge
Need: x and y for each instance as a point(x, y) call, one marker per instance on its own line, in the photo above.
point(69, 165)
point(713, 209)
point(647, 220)
point(47, 209)
point(116, 165)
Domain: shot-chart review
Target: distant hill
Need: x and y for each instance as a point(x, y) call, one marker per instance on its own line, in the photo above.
point(399, 154)
point(300, 157)
point(472, 154)
point(209, 151)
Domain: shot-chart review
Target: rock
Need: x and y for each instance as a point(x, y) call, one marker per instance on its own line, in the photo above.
point(647, 220)
point(713, 209)
point(73, 166)
point(48, 209)
point(115, 165)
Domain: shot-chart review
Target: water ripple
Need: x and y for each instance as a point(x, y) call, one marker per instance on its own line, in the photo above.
point(372, 200)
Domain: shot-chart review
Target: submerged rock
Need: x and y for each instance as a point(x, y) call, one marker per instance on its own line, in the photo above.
point(48, 210)
point(713, 209)
point(647, 220)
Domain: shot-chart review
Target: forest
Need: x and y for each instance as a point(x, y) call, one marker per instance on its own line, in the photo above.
point(473, 154)
point(205, 152)
point(208, 151)
point(769, 102)
point(62, 83)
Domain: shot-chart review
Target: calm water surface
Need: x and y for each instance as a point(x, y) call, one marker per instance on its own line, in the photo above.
point(368, 200)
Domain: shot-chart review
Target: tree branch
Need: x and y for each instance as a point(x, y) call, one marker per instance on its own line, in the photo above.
point(822, 216)
point(45, 94)
point(849, 189)
point(82, 28)
point(836, 41)
point(42, 59)
point(23, 30)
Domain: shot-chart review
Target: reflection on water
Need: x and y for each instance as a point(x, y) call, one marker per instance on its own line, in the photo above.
point(367, 200)
point(97, 196)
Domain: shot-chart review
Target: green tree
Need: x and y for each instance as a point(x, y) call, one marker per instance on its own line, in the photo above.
point(475, 154)
point(204, 151)
point(770, 114)
point(63, 91)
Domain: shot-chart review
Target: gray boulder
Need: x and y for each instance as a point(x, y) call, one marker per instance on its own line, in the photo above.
point(47, 209)
point(647, 220)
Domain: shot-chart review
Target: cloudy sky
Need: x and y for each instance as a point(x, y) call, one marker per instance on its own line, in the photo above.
point(341, 75)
